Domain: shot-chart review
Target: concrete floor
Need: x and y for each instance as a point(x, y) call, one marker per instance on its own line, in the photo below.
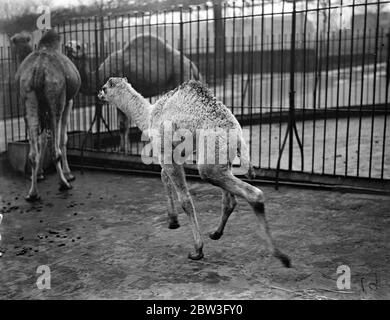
point(108, 238)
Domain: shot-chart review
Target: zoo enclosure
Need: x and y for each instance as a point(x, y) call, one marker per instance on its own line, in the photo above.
point(335, 92)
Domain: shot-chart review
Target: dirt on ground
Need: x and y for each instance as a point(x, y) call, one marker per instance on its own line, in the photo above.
point(108, 238)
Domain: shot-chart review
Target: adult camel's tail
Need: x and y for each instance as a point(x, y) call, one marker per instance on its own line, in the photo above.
point(38, 86)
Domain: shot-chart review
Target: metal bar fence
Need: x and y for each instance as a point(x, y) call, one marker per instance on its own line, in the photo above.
point(340, 72)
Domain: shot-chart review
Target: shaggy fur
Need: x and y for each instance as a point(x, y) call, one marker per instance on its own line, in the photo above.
point(192, 106)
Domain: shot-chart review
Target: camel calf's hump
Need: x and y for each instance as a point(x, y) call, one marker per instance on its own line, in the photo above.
point(193, 102)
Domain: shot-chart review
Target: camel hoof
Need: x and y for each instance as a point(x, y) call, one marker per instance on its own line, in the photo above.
point(215, 235)
point(70, 177)
point(196, 256)
point(283, 258)
point(64, 186)
point(173, 225)
point(32, 198)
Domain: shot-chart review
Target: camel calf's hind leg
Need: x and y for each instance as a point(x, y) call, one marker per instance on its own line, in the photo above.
point(228, 204)
point(176, 174)
point(170, 191)
point(222, 177)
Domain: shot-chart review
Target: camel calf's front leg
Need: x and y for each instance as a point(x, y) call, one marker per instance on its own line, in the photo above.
point(177, 176)
point(228, 204)
point(170, 191)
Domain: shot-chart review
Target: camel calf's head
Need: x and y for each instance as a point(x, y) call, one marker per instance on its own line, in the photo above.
point(110, 89)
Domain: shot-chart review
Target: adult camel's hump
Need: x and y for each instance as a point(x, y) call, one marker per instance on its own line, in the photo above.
point(46, 70)
point(151, 65)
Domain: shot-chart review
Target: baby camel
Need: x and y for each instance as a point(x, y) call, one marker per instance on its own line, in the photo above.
point(192, 107)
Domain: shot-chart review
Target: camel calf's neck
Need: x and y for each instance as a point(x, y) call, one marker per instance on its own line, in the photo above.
point(134, 106)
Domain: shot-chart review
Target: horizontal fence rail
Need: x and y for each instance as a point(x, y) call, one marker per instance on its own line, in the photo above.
point(331, 76)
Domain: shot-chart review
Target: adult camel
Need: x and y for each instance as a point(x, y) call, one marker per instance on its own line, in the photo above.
point(150, 65)
point(47, 83)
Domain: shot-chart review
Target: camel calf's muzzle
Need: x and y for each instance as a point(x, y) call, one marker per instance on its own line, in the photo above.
point(102, 96)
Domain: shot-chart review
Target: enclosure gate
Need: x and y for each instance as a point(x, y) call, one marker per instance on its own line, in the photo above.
point(308, 80)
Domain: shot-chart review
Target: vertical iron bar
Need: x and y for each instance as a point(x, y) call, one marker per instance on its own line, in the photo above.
point(326, 87)
point(4, 98)
point(215, 51)
point(207, 42)
point(181, 45)
point(233, 54)
point(374, 87)
point(224, 54)
point(386, 103)
point(281, 76)
point(242, 58)
point(10, 85)
point(261, 79)
point(158, 54)
point(361, 89)
point(315, 86)
point(338, 89)
point(350, 88)
point(292, 88)
point(271, 87)
point(304, 76)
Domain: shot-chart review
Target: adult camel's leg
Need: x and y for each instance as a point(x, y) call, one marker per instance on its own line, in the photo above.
point(176, 173)
point(57, 106)
point(32, 123)
point(64, 140)
point(228, 204)
point(222, 177)
point(170, 191)
point(42, 151)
